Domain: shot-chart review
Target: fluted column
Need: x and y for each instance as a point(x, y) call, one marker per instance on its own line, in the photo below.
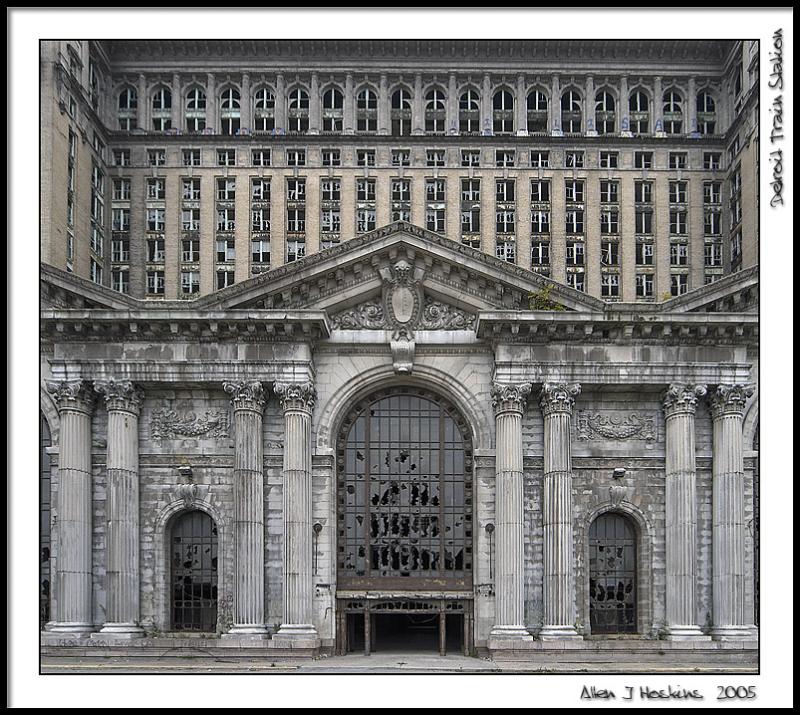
point(123, 402)
point(691, 109)
point(680, 403)
point(73, 531)
point(557, 401)
point(418, 107)
point(297, 401)
point(522, 108)
point(588, 109)
point(509, 405)
point(141, 102)
point(246, 105)
point(555, 106)
point(349, 105)
point(624, 107)
point(211, 103)
point(452, 104)
point(383, 106)
point(658, 107)
point(487, 125)
point(280, 103)
point(730, 620)
point(315, 106)
point(247, 399)
point(177, 102)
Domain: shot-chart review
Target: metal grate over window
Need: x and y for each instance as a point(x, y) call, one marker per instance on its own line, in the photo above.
point(612, 575)
point(194, 572)
point(405, 494)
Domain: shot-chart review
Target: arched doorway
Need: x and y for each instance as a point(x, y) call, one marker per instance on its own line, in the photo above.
point(612, 574)
point(193, 575)
point(404, 524)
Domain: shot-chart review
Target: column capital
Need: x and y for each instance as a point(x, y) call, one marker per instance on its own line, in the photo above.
point(72, 394)
point(558, 397)
point(246, 395)
point(510, 397)
point(296, 395)
point(681, 398)
point(120, 395)
point(729, 399)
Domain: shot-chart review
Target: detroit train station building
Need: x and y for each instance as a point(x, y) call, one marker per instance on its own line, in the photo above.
point(355, 345)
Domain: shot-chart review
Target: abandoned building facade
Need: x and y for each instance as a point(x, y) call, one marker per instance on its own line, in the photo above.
point(351, 344)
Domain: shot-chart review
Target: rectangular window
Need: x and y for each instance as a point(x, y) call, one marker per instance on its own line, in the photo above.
point(260, 190)
point(643, 192)
point(470, 190)
point(156, 189)
point(712, 160)
point(156, 157)
point(122, 157)
point(122, 189)
point(575, 253)
point(644, 285)
point(609, 192)
point(609, 253)
point(505, 157)
point(365, 220)
point(540, 159)
point(643, 221)
point(678, 254)
point(190, 189)
point(190, 250)
point(331, 221)
point(331, 157)
point(645, 254)
point(261, 157)
point(609, 159)
point(401, 157)
point(331, 189)
point(296, 221)
point(295, 250)
point(190, 220)
point(224, 279)
point(540, 222)
point(609, 285)
point(713, 255)
point(573, 160)
point(609, 221)
point(540, 191)
point(577, 281)
point(540, 253)
point(574, 191)
point(296, 190)
point(677, 160)
point(471, 221)
point(260, 249)
point(434, 220)
point(155, 219)
point(401, 190)
point(120, 280)
point(155, 282)
point(506, 251)
point(226, 157)
point(677, 192)
point(96, 272)
point(226, 251)
point(365, 157)
point(435, 157)
point(120, 250)
point(226, 189)
point(191, 157)
point(121, 220)
point(712, 192)
point(434, 190)
point(226, 219)
point(365, 190)
point(643, 159)
point(505, 190)
point(155, 250)
point(260, 220)
point(190, 282)
point(470, 157)
point(679, 284)
point(505, 221)
point(574, 221)
point(712, 223)
point(677, 223)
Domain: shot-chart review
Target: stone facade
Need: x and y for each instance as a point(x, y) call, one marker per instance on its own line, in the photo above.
point(233, 405)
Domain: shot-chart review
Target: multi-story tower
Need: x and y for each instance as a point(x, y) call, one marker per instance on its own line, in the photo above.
point(625, 170)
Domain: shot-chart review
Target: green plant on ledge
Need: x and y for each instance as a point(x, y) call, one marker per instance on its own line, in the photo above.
point(541, 300)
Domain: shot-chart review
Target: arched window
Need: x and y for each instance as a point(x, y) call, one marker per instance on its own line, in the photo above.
point(639, 106)
point(126, 108)
point(44, 517)
point(435, 111)
point(366, 110)
point(298, 110)
point(503, 112)
point(673, 112)
point(571, 112)
point(706, 113)
point(401, 112)
point(405, 494)
point(263, 110)
point(605, 113)
point(537, 112)
point(195, 110)
point(612, 574)
point(193, 576)
point(230, 112)
point(162, 109)
point(469, 112)
point(332, 110)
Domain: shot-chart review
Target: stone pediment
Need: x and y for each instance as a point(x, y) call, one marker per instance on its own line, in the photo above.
point(456, 281)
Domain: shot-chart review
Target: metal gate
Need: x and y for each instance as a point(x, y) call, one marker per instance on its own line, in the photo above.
point(612, 575)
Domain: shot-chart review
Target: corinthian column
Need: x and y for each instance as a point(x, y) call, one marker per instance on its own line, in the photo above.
point(559, 584)
point(73, 531)
point(680, 402)
point(297, 401)
point(729, 618)
point(248, 400)
point(509, 404)
point(123, 403)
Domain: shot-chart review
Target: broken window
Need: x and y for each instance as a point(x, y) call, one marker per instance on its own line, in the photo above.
point(639, 106)
point(193, 602)
point(435, 110)
point(195, 110)
point(503, 112)
point(469, 112)
point(400, 112)
point(264, 110)
point(673, 112)
point(612, 575)
point(537, 112)
point(161, 106)
point(332, 110)
point(571, 112)
point(366, 110)
point(605, 117)
point(297, 118)
point(229, 110)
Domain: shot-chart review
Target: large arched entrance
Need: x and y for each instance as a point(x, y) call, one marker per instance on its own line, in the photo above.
point(404, 524)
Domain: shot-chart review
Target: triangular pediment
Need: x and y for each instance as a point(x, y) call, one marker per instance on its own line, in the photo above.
point(354, 273)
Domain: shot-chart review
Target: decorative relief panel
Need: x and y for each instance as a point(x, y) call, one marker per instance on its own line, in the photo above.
point(632, 426)
point(172, 424)
point(435, 316)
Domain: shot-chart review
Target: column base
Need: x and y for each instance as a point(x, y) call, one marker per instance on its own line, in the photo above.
point(686, 633)
point(734, 633)
point(247, 631)
point(74, 629)
point(119, 630)
point(503, 638)
point(296, 635)
point(559, 633)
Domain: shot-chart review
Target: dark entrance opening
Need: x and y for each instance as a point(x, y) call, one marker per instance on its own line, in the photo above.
point(406, 632)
